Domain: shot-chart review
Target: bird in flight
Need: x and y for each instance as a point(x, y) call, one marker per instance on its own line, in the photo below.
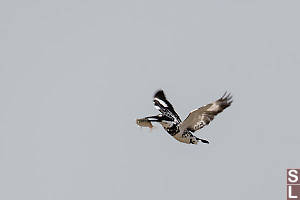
point(183, 130)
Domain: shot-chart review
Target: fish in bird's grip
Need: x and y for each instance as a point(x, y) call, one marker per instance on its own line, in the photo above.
point(143, 122)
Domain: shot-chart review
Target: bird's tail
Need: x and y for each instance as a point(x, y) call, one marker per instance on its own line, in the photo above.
point(202, 140)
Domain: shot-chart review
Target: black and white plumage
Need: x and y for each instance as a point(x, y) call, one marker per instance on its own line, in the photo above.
point(197, 119)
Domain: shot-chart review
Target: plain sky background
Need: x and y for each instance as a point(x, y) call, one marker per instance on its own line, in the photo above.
point(74, 76)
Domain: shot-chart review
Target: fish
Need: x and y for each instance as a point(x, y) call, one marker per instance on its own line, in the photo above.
point(143, 122)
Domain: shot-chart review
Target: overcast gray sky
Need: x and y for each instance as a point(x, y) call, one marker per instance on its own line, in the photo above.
point(74, 76)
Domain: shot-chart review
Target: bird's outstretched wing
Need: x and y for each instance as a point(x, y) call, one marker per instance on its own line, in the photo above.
point(201, 117)
point(165, 107)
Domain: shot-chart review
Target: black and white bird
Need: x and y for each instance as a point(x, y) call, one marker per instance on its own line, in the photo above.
point(183, 130)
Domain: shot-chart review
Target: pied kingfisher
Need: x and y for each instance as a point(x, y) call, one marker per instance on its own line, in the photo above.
point(183, 130)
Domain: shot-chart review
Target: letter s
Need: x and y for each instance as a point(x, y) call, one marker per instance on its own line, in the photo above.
point(293, 178)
